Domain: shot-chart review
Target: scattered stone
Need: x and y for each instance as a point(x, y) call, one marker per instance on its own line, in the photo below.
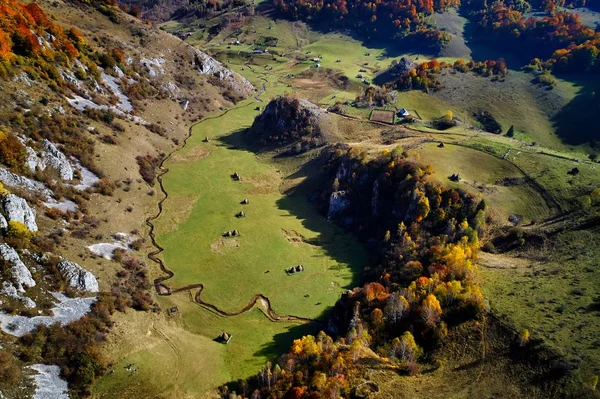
point(78, 277)
point(236, 176)
point(245, 201)
point(17, 209)
point(441, 144)
point(240, 214)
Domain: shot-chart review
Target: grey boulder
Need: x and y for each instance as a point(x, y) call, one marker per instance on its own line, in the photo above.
point(78, 277)
point(17, 209)
point(20, 274)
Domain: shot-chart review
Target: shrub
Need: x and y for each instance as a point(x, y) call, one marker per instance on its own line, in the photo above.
point(148, 165)
point(12, 152)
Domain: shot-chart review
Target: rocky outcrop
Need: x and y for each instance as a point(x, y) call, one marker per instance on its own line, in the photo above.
point(55, 159)
point(10, 179)
point(337, 204)
point(3, 222)
point(207, 65)
point(64, 312)
point(404, 66)
point(293, 122)
point(33, 161)
point(48, 381)
point(21, 276)
point(51, 157)
point(10, 291)
point(78, 277)
point(17, 209)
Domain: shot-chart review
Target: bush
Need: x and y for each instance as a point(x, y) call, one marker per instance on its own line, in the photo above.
point(148, 165)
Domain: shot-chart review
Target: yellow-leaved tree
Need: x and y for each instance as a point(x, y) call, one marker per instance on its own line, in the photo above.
point(431, 310)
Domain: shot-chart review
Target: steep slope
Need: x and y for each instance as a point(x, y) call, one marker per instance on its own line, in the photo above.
point(89, 95)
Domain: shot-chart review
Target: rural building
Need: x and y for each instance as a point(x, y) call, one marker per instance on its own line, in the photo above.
point(403, 113)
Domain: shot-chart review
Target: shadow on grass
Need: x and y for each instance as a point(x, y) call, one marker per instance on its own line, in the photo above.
point(343, 248)
point(575, 123)
point(337, 244)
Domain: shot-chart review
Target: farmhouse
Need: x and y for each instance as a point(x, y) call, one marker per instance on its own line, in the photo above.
point(403, 113)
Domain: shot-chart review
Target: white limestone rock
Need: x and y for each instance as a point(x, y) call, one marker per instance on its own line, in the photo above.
point(54, 158)
point(11, 179)
point(49, 384)
point(20, 274)
point(3, 222)
point(17, 209)
point(78, 277)
point(209, 66)
point(65, 311)
point(33, 161)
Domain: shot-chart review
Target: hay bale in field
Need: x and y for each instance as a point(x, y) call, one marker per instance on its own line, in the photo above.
point(225, 338)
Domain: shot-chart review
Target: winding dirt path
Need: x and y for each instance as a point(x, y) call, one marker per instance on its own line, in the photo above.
point(259, 301)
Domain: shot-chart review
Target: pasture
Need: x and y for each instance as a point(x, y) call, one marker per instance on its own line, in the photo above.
point(277, 232)
point(485, 175)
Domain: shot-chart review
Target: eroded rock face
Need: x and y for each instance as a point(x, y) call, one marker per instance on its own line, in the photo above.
point(55, 159)
point(3, 222)
point(337, 204)
point(10, 179)
point(17, 209)
point(20, 274)
point(78, 277)
point(209, 66)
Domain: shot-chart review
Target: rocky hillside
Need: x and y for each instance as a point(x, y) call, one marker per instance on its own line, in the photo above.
point(296, 125)
point(87, 91)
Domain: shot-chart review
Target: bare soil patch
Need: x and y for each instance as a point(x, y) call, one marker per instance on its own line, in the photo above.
point(222, 244)
point(383, 116)
point(293, 237)
point(195, 154)
point(496, 261)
